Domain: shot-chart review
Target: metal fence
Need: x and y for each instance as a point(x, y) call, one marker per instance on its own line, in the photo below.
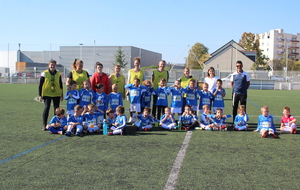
point(259, 79)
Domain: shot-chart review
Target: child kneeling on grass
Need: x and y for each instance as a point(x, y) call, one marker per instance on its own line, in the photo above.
point(265, 124)
point(288, 122)
point(189, 120)
point(58, 123)
point(167, 121)
point(75, 122)
point(146, 121)
point(120, 124)
point(240, 121)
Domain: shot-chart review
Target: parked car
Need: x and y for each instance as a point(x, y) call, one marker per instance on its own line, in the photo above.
point(27, 74)
point(227, 78)
point(280, 78)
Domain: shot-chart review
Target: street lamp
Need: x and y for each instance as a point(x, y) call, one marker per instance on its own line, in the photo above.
point(80, 51)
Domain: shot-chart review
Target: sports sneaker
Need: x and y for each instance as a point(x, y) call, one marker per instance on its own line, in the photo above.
point(293, 131)
point(236, 129)
point(68, 134)
point(264, 134)
point(273, 135)
point(145, 129)
point(110, 133)
point(130, 120)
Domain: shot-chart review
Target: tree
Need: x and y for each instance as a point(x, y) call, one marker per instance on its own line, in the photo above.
point(198, 54)
point(250, 42)
point(120, 58)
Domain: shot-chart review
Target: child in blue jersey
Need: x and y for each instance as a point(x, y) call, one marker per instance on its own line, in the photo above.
point(75, 122)
point(147, 94)
point(189, 120)
point(100, 101)
point(72, 96)
point(206, 121)
point(265, 123)
point(220, 120)
point(162, 97)
point(167, 121)
point(192, 93)
point(115, 98)
point(91, 119)
point(205, 97)
point(111, 117)
point(86, 94)
point(240, 121)
point(218, 95)
point(176, 103)
point(120, 124)
point(146, 121)
point(58, 123)
point(135, 92)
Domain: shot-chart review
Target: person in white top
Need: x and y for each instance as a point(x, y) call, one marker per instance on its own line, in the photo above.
point(211, 79)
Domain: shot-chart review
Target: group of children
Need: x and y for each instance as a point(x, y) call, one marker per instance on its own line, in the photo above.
point(87, 110)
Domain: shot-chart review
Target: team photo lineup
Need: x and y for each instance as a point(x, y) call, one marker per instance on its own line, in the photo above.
point(95, 103)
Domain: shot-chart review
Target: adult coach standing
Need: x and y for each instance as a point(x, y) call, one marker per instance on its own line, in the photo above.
point(78, 74)
point(240, 82)
point(50, 89)
point(158, 74)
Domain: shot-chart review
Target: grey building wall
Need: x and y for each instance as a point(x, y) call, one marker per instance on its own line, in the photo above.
point(92, 54)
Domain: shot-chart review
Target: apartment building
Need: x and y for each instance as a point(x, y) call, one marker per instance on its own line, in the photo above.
point(276, 44)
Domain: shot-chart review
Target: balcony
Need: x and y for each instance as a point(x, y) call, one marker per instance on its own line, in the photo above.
point(280, 39)
point(293, 47)
point(280, 52)
point(294, 40)
point(294, 53)
point(280, 46)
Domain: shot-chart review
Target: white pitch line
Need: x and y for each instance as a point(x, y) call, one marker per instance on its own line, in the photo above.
point(173, 176)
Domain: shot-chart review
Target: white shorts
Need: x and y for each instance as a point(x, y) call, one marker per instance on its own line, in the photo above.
point(70, 112)
point(288, 128)
point(194, 108)
point(135, 107)
point(175, 110)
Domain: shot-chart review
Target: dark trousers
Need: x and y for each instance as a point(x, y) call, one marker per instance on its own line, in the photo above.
point(192, 125)
point(154, 106)
point(160, 111)
point(183, 104)
point(236, 98)
point(47, 104)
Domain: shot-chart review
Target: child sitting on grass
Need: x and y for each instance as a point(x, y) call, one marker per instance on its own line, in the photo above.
point(288, 122)
point(265, 124)
point(220, 120)
point(120, 124)
point(146, 121)
point(206, 121)
point(111, 117)
point(75, 122)
point(167, 121)
point(91, 118)
point(240, 121)
point(58, 123)
point(189, 120)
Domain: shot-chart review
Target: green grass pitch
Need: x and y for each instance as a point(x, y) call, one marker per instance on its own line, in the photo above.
point(213, 160)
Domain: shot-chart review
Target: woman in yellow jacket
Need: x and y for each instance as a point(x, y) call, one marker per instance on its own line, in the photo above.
point(50, 89)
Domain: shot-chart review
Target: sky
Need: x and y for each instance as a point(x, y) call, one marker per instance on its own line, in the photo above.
point(169, 27)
